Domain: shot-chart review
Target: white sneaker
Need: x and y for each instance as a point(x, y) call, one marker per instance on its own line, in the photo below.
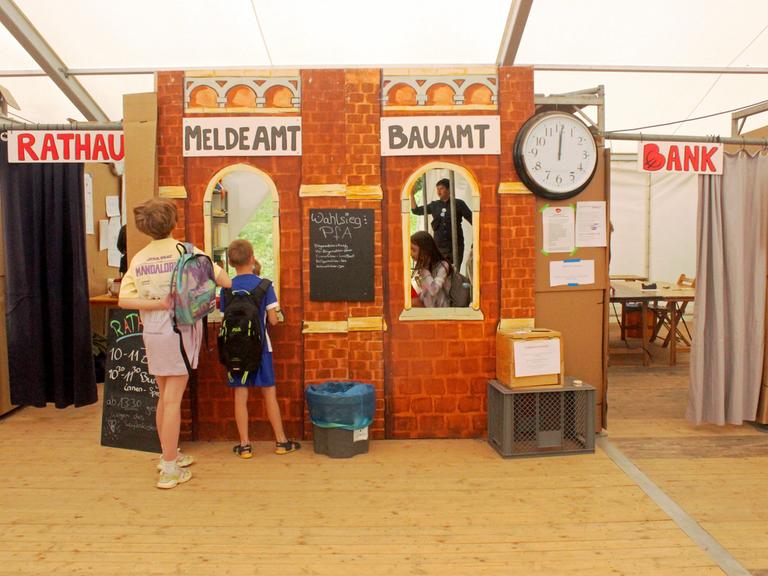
point(173, 479)
point(182, 460)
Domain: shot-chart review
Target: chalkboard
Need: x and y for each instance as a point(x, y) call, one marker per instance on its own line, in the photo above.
point(130, 392)
point(341, 255)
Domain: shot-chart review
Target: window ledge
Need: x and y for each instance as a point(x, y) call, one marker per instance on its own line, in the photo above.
point(441, 314)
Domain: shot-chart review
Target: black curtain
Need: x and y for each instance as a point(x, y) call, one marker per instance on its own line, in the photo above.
point(47, 310)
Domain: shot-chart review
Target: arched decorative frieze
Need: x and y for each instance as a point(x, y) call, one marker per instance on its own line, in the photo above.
point(469, 91)
point(251, 94)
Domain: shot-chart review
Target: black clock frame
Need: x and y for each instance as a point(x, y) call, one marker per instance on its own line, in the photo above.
point(522, 172)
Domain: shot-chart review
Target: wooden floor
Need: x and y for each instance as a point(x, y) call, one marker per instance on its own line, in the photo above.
point(70, 506)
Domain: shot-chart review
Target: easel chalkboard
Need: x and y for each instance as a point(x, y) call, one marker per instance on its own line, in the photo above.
point(130, 392)
point(341, 255)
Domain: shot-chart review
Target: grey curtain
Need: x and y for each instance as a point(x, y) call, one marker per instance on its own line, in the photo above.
point(729, 334)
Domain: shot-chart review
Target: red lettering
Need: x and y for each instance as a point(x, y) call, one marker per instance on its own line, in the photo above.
point(24, 144)
point(652, 159)
point(706, 159)
point(99, 147)
point(691, 159)
point(116, 156)
point(82, 147)
point(49, 151)
point(673, 159)
point(66, 139)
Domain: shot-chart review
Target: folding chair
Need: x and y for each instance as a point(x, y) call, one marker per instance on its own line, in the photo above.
point(662, 319)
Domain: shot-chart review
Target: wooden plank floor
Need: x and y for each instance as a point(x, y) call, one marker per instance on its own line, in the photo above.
point(718, 474)
point(70, 506)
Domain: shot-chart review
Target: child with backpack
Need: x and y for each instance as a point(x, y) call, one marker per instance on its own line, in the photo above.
point(170, 348)
point(245, 348)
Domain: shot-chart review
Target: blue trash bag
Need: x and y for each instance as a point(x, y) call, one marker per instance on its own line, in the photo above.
point(346, 405)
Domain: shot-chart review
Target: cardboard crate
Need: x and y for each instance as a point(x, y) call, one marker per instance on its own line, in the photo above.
point(505, 358)
point(541, 421)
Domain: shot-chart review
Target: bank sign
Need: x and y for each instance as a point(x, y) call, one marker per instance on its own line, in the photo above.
point(59, 146)
point(438, 135)
point(233, 136)
point(682, 157)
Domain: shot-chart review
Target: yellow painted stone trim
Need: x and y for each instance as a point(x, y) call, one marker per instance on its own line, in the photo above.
point(512, 324)
point(239, 110)
point(357, 324)
point(329, 327)
point(460, 314)
point(441, 108)
point(513, 188)
point(263, 72)
point(313, 190)
point(172, 192)
point(452, 71)
point(365, 192)
point(367, 324)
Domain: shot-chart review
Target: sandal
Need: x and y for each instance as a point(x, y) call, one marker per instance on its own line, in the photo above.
point(243, 451)
point(286, 447)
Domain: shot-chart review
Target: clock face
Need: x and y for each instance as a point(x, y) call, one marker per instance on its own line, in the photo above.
point(555, 155)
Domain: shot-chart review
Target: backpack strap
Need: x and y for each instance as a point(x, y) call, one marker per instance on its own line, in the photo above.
point(260, 291)
point(226, 294)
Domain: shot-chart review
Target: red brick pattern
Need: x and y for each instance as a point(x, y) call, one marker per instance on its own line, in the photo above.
point(430, 377)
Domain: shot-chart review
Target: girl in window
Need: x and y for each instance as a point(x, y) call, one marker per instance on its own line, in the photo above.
point(432, 273)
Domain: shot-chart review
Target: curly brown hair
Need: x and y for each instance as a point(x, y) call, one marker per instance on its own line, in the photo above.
point(156, 217)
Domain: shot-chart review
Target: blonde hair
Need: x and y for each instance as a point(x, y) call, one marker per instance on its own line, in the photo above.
point(156, 217)
point(240, 252)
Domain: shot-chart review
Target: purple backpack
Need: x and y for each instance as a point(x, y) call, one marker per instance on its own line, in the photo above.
point(193, 286)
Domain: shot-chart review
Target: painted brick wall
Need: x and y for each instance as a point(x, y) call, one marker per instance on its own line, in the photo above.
point(170, 111)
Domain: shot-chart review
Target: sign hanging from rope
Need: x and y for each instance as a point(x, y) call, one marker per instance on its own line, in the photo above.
point(60, 146)
point(682, 157)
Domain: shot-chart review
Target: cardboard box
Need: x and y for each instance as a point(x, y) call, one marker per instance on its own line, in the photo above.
point(508, 370)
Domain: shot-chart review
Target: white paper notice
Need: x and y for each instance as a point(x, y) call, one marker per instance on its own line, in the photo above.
point(573, 272)
point(113, 206)
point(88, 198)
point(103, 234)
point(113, 257)
point(537, 357)
point(360, 434)
point(558, 229)
point(590, 224)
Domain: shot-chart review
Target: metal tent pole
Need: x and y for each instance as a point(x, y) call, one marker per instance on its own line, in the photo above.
point(13, 125)
point(738, 140)
point(454, 239)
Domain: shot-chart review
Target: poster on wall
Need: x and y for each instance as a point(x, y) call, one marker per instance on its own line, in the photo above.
point(242, 136)
point(60, 146)
point(591, 229)
point(681, 157)
point(432, 135)
point(558, 228)
point(341, 255)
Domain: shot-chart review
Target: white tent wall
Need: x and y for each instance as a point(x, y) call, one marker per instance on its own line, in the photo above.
point(654, 220)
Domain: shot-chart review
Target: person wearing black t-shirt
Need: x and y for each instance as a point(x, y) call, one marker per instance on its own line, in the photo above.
point(440, 210)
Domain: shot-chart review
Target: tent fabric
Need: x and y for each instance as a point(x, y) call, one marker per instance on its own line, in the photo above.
point(728, 342)
point(47, 314)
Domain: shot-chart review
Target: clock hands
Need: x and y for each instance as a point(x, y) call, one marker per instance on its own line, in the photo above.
point(560, 144)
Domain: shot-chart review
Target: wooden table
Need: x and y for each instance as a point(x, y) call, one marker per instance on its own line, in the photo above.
point(669, 292)
point(104, 300)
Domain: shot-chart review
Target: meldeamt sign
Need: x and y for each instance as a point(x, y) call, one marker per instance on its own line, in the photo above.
point(228, 136)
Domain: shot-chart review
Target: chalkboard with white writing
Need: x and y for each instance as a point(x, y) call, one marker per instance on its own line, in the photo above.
point(341, 255)
point(130, 392)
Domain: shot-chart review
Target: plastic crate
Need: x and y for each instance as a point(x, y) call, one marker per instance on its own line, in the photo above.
point(541, 421)
point(340, 443)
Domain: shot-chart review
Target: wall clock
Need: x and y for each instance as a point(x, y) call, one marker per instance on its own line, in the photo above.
point(555, 155)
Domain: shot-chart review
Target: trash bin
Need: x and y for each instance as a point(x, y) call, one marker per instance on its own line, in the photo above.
point(341, 413)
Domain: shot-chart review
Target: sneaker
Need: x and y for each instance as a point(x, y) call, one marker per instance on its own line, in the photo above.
point(286, 447)
point(243, 451)
point(173, 479)
point(182, 460)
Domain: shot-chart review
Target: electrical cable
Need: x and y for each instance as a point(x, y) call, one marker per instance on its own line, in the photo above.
point(690, 119)
point(263, 38)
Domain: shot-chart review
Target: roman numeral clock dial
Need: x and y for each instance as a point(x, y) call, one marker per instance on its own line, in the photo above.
point(555, 155)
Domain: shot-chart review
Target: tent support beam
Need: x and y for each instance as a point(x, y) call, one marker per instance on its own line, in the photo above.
point(513, 31)
point(33, 42)
point(738, 140)
point(8, 124)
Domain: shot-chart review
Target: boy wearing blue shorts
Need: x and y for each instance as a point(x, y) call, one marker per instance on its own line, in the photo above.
point(240, 254)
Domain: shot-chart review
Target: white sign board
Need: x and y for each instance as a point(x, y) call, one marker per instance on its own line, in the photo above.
point(682, 157)
point(537, 357)
point(438, 135)
point(234, 136)
point(62, 146)
point(572, 272)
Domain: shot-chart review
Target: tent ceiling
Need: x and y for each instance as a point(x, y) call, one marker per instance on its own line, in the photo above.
point(116, 34)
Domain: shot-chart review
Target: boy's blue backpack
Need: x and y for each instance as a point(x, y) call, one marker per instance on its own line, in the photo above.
point(193, 286)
